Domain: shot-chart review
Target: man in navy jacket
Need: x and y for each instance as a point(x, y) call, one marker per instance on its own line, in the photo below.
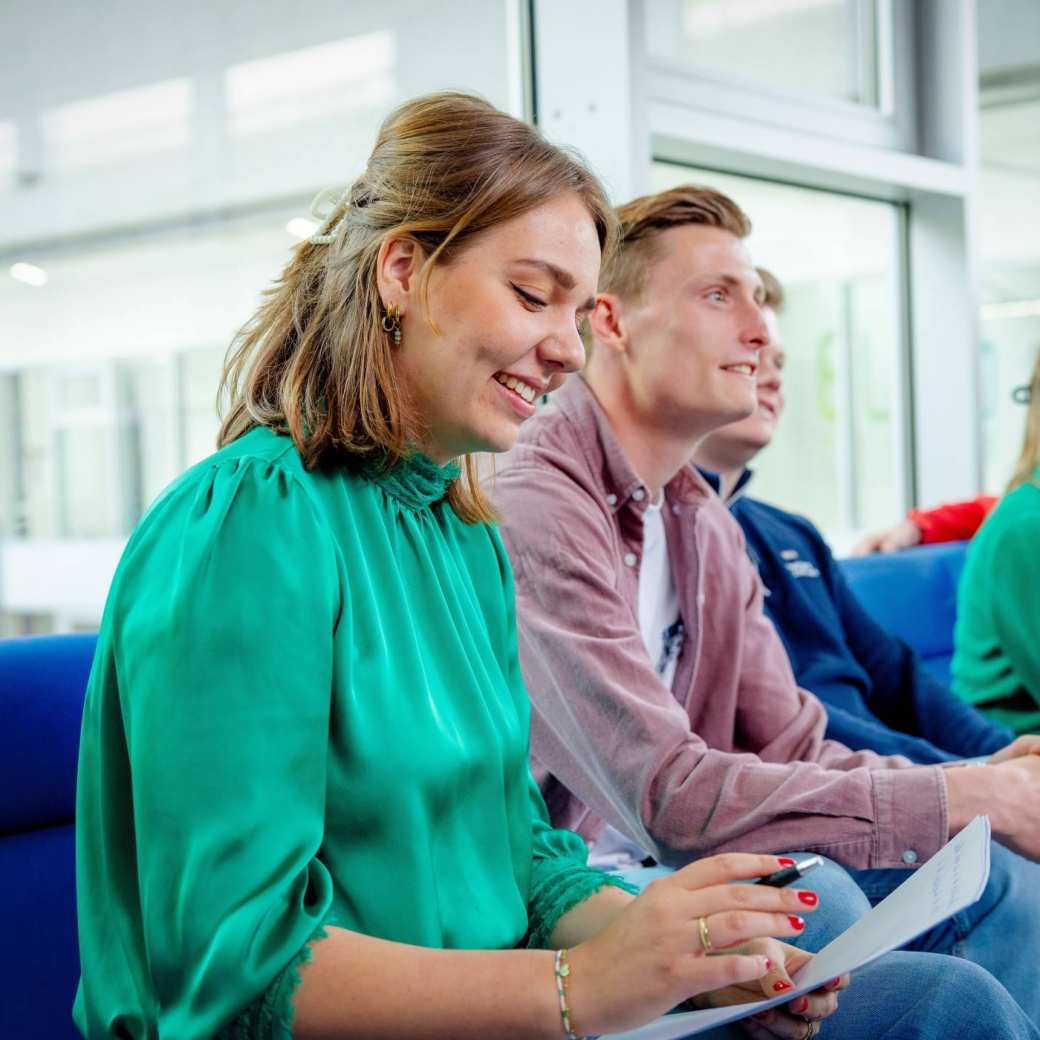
point(877, 693)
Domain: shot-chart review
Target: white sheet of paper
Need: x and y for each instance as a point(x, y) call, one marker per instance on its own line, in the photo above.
point(951, 880)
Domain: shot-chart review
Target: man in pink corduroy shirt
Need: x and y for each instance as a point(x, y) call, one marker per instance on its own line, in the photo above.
point(664, 703)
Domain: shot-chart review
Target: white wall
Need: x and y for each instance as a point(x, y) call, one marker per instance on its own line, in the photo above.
point(63, 577)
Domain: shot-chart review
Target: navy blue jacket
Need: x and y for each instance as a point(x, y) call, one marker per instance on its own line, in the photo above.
point(877, 693)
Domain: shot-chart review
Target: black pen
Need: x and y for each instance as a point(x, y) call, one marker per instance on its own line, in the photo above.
point(784, 877)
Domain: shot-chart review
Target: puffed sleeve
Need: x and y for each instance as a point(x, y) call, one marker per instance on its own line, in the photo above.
point(222, 621)
point(560, 878)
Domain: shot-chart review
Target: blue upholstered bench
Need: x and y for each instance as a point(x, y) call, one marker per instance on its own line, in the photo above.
point(42, 681)
point(913, 594)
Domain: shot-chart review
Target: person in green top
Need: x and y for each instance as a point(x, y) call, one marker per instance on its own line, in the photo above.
point(304, 805)
point(996, 660)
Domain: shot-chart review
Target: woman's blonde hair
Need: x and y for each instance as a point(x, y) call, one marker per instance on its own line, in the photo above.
point(314, 360)
point(1029, 458)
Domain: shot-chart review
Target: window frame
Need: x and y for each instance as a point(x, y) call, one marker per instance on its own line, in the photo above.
point(890, 125)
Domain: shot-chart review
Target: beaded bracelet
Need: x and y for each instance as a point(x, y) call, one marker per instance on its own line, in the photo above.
point(561, 970)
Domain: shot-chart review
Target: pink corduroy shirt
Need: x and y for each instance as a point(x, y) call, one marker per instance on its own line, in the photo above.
point(732, 757)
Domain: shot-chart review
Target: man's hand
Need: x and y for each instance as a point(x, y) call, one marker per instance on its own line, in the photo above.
point(788, 1021)
point(1008, 792)
point(1028, 744)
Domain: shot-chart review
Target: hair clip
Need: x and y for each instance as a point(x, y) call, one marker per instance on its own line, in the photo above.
point(325, 203)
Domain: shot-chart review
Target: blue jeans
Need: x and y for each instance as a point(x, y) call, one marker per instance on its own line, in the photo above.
point(1000, 932)
point(919, 996)
point(903, 995)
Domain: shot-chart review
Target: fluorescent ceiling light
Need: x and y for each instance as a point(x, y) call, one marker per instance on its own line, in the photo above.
point(126, 124)
point(28, 273)
point(301, 227)
point(325, 82)
point(1014, 309)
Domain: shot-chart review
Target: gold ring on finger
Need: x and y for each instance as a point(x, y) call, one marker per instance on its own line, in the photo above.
point(811, 1029)
point(702, 926)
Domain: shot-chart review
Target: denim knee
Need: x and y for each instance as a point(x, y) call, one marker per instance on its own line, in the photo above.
point(1014, 884)
point(841, 903)
point(927, 996)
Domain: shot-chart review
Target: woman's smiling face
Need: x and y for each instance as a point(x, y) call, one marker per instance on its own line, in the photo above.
point(502, 326)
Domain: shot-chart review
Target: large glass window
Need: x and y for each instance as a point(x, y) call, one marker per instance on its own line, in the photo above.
point(182, 177)
point(839, 453)
point(123, 337)
point(819, 48)
point(1009, 223)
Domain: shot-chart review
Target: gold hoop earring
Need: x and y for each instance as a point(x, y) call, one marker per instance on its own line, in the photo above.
point(392, 322)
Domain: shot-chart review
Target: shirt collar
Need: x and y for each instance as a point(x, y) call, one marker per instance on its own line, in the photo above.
point(415, 481)
point(716, 483)
point(621, 483)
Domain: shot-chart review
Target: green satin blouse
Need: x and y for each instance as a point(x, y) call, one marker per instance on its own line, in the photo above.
point(305, 708)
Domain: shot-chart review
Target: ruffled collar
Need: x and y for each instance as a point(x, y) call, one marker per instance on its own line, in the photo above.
point(416, 481)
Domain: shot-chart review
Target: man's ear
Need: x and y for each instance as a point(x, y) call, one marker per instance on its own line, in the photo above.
point(397, 267)
point(608, 324)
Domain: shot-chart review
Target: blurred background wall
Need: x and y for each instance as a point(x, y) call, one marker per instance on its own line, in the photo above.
point(157, 162)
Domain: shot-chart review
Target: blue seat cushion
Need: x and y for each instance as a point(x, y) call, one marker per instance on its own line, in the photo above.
point(39, 951)
point(913, 594)
point(43, 680)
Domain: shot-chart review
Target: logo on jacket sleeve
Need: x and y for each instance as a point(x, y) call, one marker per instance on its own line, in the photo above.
point(798, 568)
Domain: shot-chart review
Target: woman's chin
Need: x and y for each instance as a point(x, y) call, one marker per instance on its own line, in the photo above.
point(498, 440)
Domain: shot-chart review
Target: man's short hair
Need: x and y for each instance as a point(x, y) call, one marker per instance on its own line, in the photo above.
point(643, 220)
point(774, 297)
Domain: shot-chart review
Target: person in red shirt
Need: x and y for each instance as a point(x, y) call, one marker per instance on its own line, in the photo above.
point(950, 522)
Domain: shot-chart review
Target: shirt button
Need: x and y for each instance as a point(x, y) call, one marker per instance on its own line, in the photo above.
point(630, 559)
point(611, 500)
point(909, 857)
point(675, 509)
point(639, 494)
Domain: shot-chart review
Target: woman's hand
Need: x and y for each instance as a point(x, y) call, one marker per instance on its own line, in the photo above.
point(651, 957)
point(904, 535)
point(790, 1021)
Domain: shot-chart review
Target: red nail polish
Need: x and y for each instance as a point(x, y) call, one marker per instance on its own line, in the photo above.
point(769, 964)
point(800, 1005)
point(796, 922)
point(784, 861)
point(834, 984)
point(809, 898)
point(779, 987)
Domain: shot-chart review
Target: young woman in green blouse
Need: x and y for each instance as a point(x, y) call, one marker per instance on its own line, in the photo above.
point(304, 805)
point(996, 661)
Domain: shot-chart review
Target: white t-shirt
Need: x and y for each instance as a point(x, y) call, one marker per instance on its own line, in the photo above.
point(660, 625)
